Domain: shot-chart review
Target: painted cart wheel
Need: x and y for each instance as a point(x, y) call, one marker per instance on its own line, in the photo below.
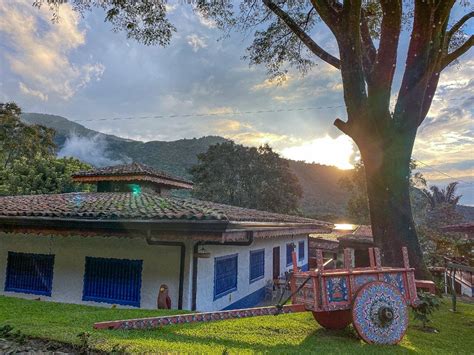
point(379, 313)
point(333, 319)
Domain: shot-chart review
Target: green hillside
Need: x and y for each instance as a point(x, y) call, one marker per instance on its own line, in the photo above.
point(322, 196)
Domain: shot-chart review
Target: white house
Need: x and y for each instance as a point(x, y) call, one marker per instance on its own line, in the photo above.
point(120, 244)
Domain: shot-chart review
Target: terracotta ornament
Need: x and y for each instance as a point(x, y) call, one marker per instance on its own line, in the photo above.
point(163, 301)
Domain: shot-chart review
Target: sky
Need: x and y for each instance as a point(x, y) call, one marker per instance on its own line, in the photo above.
point(80, 69)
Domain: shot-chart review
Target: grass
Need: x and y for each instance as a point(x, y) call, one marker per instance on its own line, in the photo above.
point(295, 333)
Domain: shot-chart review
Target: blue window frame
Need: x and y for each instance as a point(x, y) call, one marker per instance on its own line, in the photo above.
point(225, 275)
point(113, 281)
point(30, 273)
point(257, 265)
point(301, 250)
point(289, 250)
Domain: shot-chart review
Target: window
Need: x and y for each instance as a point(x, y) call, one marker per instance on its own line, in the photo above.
point(225, 275)
point(113, 281)
point(30, 273)
point(289, 250)
point(257, 265)
point(301, 250)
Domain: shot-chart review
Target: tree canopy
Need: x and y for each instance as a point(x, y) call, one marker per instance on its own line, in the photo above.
point(28, 163)
point(248, 177)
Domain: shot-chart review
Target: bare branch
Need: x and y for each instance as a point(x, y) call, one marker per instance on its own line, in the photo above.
point(451, 57)
point(303, 36)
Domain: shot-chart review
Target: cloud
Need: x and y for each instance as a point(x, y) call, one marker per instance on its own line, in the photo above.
point(27, 91)
point(258, 138)
point(225, 126)
point(38, 50)
point(225, 110)
point(446, 138)
point(170, 8)
point(326, 150)
point(206, 22)
point(196, 42)
point(92, 150)
point(273, 83)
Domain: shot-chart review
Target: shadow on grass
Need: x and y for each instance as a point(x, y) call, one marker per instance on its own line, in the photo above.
point(179, 338)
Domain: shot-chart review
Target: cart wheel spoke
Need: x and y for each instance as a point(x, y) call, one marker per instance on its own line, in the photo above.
point(379, 313)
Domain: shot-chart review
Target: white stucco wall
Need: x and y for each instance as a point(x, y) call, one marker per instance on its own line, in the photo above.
point(205, 289)
point(160, 264)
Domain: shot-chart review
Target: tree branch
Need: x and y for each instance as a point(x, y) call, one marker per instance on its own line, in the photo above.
point(303, 36)
point(328, 11)
point(384, 67)
point(418, 64)
point(369, 50)
point(459, 24)
point(451, 57)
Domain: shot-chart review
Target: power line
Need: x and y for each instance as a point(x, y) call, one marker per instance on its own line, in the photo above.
point(443, 173)
point(234, 113)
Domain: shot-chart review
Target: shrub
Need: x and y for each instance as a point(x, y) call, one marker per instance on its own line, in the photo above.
point(428, 303)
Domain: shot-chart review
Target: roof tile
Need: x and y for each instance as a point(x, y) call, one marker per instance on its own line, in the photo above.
point(142, 206)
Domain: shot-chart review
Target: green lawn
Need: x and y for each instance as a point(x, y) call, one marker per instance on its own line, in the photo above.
point(295, 333)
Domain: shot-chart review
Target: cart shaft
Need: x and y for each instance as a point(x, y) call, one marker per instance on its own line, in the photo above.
point(156, 322)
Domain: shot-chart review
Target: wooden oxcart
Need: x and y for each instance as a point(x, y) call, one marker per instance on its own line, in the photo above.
point(374, 299)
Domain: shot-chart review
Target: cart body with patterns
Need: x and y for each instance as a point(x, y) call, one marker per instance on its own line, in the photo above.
point(373, 298)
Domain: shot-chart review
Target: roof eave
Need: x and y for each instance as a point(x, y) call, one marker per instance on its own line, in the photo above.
point(227, 229)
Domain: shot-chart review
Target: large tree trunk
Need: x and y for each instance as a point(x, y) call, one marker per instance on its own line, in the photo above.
point(387, 167)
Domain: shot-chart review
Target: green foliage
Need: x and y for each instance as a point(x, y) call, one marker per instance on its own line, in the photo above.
point(28, 164)
point(427, 305)
point(248, 177)
point(296, 333)
point(41, 175)
point(441, 211)
point(18, 139)
point(438, 197)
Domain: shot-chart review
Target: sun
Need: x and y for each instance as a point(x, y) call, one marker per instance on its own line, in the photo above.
point(326, 150)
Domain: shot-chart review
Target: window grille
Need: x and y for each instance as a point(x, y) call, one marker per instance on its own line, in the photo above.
point(301, 250)
point(30, 273)
point(289, 250)
point(225, 275)
point(257, 264)
point(113, 281)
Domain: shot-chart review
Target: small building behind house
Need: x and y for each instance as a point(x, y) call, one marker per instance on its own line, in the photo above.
point(356, 237)
point(118, 245)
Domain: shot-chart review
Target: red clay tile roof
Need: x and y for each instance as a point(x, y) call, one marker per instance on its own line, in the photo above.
point(144, 206)
point(134, 169)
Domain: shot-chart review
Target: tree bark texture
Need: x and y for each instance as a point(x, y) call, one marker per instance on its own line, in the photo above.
point(388, 188)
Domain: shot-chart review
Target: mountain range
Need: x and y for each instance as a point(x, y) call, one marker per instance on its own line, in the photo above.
point(322, 195)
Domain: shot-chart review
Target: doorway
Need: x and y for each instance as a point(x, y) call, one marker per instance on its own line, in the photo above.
point(276, 263)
